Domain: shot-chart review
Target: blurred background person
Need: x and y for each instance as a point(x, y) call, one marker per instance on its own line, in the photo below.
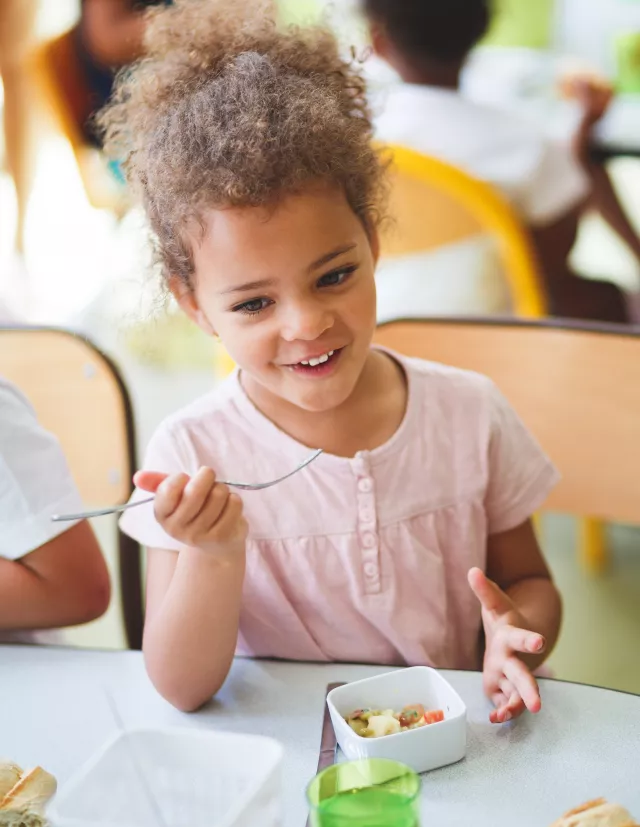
point(109, 35)
point(17, 21)
point(549, 184)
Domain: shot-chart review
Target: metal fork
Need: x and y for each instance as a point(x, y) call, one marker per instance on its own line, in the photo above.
point(244, 486)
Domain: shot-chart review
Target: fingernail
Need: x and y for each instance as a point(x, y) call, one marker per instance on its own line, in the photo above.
point(506, 717)
point(537, 645)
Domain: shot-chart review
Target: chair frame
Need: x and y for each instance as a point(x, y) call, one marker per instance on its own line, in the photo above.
point(129, 551)
point(592, 540)
point(492, 212)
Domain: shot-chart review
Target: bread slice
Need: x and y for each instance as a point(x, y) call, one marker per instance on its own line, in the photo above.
point(17, 818)
point(34, 789)
point(597, 813)
point(10, 774)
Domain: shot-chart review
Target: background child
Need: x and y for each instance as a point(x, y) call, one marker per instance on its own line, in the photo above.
point(251, 149)
point(51, 574)
point(427, 43)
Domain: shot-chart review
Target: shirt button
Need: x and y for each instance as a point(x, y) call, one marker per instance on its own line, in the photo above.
point(368, 540)
point(371, 570)
point(365, 485)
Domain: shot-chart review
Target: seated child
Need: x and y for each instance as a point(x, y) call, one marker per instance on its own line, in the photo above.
point(51, 574)
point(550, 185)
point(251, 148)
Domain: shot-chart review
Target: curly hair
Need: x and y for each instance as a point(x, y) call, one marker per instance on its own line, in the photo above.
point(440, 30)
point(227, 109)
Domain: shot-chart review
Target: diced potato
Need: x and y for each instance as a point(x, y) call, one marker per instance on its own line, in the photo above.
point(358, 726)
point(380, 725)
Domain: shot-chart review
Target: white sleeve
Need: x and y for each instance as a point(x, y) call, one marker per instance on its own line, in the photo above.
point(557, 184)
point(35, 480)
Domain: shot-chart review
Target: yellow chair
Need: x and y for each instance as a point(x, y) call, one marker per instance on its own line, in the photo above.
point(79, 396)
point(433, 204)
point(577, 387)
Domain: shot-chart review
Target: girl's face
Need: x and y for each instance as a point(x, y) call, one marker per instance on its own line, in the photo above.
point(291, 293)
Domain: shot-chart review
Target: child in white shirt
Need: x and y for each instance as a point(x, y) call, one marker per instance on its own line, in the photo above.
point(427, 43)
point(51, 574)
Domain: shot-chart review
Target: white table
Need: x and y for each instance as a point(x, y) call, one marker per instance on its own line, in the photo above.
point(524, 82)
point(54, 711)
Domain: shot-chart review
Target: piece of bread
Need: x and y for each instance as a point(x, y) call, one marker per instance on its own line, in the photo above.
point(598, 813)
point(10, 774)
point(34, 789)
point(18, 818)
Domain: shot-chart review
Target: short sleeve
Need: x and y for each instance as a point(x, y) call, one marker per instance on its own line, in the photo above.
point(557, 184)
point(521, 476)
point(168, 454)
point(35, 480)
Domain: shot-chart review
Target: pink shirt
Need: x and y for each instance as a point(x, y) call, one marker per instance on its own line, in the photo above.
point(364, 559)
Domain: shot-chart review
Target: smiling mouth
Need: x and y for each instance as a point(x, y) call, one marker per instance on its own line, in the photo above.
point(318, 364)
point(319, 360)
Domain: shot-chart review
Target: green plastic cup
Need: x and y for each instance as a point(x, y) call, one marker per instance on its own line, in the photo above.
point(373, 792)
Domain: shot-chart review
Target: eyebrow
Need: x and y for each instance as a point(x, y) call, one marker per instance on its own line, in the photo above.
point(250, 285)
point(262, 283)
point(327, 257)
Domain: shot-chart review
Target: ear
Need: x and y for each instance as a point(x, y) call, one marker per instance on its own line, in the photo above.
point(184, 294)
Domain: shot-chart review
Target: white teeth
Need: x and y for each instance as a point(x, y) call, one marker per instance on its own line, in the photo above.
point(319, 361)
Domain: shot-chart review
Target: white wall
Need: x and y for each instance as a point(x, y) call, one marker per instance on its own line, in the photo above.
point(586, 28)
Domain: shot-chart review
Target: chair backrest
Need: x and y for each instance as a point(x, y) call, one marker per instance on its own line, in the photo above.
point(433, 204)
point(79, 395)
point(577, 388)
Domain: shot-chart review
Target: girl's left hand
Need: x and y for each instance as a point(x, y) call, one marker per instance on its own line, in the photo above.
point(508, 682)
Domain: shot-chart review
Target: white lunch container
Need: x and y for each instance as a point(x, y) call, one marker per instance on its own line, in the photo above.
point(422, 749)
point(175, 778)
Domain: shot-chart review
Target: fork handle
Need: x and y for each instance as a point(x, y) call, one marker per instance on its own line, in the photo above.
point(100, 512)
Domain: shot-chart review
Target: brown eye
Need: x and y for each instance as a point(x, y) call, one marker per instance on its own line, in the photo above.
point(252, 307)
point(336, 277)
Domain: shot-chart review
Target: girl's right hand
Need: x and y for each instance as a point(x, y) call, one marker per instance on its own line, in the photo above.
point(196, 511)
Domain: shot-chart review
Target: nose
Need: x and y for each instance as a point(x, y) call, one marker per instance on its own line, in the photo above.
point(305, 320)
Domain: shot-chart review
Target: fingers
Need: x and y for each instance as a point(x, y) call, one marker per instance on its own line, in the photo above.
point(503, 662)
point(230, 524)
point(508, 703)
point(198, 496)
point(148, 480)
point(524, 682)
point(515, 639)
point(190, 509)
point(491, 596)
point(168, 495)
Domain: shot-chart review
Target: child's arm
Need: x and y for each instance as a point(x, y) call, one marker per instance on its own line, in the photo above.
point(193, 596)
point(521, 612)
point(595, 100)
point(63, 583)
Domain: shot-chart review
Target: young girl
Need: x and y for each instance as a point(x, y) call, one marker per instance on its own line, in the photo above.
point(251, 149)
